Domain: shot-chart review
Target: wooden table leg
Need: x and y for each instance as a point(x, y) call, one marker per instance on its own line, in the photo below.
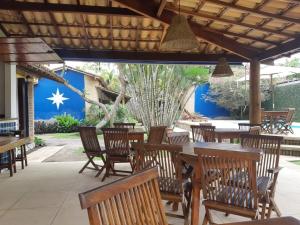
point(10, 163)
point(195, 217)
point(219, 138)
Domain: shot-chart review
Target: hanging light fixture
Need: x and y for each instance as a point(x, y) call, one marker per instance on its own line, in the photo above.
point(179, 36)
point(222, 69)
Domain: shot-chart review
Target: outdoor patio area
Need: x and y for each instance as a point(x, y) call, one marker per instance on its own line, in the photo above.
point(47, 194)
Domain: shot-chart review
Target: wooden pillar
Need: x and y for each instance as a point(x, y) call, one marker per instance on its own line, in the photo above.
point(255, 101)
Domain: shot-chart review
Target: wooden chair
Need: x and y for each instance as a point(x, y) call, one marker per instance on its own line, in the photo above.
point(274, 221)
point(171, 183)
point(92, 149)
point(267, 169)
point(21, 154)
point(198, 131)
point(124, 125)
point(285, 125)
point(134, 200)
point(247, 126)
point(178, 138)
point(117, 150)
point(156, 134)
point(219, 192)
point(255, 130)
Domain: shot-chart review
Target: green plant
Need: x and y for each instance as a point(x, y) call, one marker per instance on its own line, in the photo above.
point(45, 127)
point(39, 142)
point(67, 123)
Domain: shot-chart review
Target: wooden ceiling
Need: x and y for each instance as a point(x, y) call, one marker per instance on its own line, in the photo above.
point(132, 30)
point(26, 50)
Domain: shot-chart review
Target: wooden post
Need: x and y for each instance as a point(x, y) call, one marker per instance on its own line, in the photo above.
point(255, 101)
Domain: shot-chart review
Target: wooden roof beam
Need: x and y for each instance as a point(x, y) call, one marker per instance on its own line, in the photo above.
point(161, 7)
point(66, 8)
point(281, 50)
point(141, 56)
point(148, 9)
point(238, 23)
point(255, 11)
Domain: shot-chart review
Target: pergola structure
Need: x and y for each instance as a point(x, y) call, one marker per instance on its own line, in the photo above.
point(252, 31)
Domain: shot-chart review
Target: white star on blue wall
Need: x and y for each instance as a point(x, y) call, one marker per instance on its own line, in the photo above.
point(57, 98)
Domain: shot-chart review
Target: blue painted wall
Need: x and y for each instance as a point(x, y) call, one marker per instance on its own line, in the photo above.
point(74, 105)
point(208, 108)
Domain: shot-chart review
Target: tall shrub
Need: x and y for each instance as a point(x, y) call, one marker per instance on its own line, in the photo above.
point(157, 92)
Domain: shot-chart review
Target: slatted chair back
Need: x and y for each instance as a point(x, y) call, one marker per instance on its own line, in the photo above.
point(270, 145)
point(89, 139)
point(247, 126)
point(255, 130)
point(290, 115)
point(198, 131)
point(134, 200)
point(156, 134)
point(209, 136)
point(178, 138)
point(218, 170)
point(116, 141)
point(124, 125)
point(166, 158)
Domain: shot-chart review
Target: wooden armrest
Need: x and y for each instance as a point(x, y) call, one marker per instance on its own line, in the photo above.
point(274, 170)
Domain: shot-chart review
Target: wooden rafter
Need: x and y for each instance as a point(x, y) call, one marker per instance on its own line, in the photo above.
point(228, 21)
point(161, 7)
point(78, 26)
point(148, 9)
point(67, 8)
point(149, 57)
point(91, 38)
point(255, 11)
point(57, 30)
point(86, 33)
point(281, 50)
point(23, 18)
point(5, 32)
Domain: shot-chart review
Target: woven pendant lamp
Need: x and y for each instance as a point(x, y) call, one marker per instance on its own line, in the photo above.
point(179, 36)
point(222, 69)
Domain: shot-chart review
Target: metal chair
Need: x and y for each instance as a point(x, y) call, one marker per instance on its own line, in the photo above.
point(92, 149)
point(134, 200)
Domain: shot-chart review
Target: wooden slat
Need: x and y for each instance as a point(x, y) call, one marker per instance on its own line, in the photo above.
point(148, 9)
point(255, 11)
point(161, 7)
point(67, 8)
point(149, 57)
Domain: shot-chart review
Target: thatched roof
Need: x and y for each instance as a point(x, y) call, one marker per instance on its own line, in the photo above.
point(86, 29)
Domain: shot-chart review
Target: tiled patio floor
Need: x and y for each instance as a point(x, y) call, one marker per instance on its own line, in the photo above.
point(47, 194)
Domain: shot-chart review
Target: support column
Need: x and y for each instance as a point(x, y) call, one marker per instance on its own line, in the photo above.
point(255, 100)
point(10, 91)
point(31, 107)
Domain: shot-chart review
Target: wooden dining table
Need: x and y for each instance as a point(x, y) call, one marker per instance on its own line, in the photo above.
point(288, 220)
point(8, 145)
point(272, 117)
point(190, 157)
point(136, 134)
point(228, 133)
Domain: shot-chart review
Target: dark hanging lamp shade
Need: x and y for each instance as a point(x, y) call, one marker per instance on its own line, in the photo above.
point(222, 69)
point(179, 36)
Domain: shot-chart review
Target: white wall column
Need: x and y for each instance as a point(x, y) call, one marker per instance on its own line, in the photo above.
point(11, 104)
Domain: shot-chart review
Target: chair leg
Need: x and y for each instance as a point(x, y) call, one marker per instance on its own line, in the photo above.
point(263, 211)
point(10, 163)
point(13, 152)
point(175, 206)
point(107, 167)
point(273, 206)
point(25, 156)
point(22, 157)
point(86, 164)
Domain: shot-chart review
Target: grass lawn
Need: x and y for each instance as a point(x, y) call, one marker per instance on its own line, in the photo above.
point(297, 162)
point(74, 135)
